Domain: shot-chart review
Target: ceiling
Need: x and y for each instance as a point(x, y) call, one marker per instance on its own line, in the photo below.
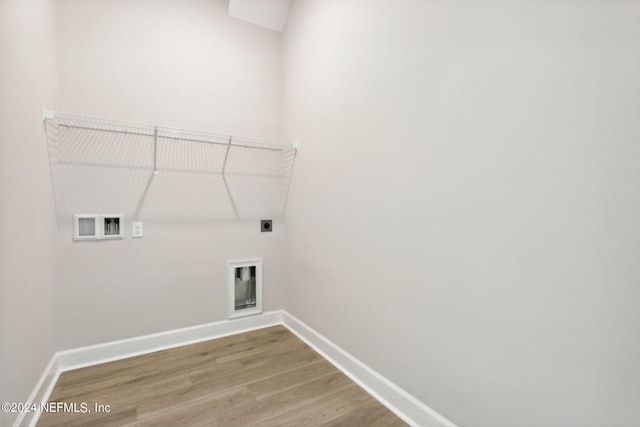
point(271, 14)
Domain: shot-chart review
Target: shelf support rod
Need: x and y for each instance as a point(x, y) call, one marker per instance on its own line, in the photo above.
point(226, 156)
point(155, 150)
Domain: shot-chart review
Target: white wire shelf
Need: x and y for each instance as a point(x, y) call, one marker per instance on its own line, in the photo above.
point(98, 124)
point(93, 152)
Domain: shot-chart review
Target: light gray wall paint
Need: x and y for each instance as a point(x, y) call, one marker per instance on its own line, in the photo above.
point(185, 64)
point(465, 197)
point(464, 213)
point(27, 225)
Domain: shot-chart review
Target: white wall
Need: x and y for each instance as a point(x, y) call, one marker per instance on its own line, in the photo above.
point(177, 63)
point(463, 215)
point(464, 212)
point(27, 225)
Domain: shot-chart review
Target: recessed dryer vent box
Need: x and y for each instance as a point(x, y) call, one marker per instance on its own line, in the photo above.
point(245, 287)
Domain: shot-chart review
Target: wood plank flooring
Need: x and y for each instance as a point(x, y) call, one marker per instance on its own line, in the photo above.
point(266, 377)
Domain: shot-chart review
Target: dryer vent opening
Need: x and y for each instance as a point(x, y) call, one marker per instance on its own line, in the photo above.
point(245, 287)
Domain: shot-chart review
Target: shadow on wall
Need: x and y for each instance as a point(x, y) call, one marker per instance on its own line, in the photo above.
point(164, 173)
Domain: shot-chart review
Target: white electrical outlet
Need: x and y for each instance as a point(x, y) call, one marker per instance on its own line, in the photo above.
point(137, 229)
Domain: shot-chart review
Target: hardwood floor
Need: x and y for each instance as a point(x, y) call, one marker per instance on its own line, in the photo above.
point(266, 377)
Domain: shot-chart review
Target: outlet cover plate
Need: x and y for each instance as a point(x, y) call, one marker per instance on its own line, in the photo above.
point(266, 225)
point(136, 230)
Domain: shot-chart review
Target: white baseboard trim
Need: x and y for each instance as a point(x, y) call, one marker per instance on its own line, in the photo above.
point(406, 406)
point(121, 349)
point(40, 394)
